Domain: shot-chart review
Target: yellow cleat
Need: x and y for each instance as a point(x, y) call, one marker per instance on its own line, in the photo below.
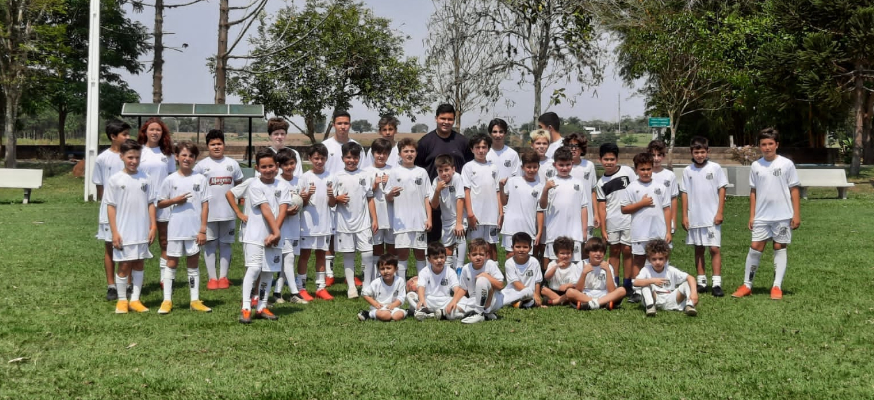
point(166, 307)
point(198, 305)
point(138, 306)
point(121, 307)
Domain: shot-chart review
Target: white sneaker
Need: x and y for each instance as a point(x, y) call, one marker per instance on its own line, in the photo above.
point(295, 298)
point(423, 313)
point(440, 314)
point(491, 316)
point(352, 293)
point(473, 319)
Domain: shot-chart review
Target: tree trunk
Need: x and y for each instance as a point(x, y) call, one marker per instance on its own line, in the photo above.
point(221, 59)
point(675, 123)
point(859, 92)
point(158, 62)
point(538, 91)
point(310, 123)
point(9, 128)
point(327, 130)
point(867, 138)
point(62, 132)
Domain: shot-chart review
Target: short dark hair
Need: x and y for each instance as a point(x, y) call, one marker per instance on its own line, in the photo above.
point(528, 155)
point(351, 148)
point(498, 122)
point(129, 145)
point(521, 237)
point(340, 113)
point(386, 121)
point(436, 248)
point(116, 126)
point(276, 123)
point(284, 156)
point(215, 134)
point(699, 142)
point(658, 246)
point(319, 149)
point(263, 153)
point(381, 146)
point(479, 138)
point(595, 244)
point(187, 145)
point(387, 259)
point(579, 137)
point(657, 146)
point(608, 148)
point(444, 160)
point(769, 133)
point(550, 119)
point(445, 108)
point(563, 154)
point(642, 158)
point(407, 142)
point(562, 243)
point(478, 243)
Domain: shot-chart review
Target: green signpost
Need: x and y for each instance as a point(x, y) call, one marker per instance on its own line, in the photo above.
point(659, 122)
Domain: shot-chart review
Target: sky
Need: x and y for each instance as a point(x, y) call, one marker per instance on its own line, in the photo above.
point(188, 80)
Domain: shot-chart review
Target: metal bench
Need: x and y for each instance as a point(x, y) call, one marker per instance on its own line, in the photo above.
point(836, 178)
point(27, 179)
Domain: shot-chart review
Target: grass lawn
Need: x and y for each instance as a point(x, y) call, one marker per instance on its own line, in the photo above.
point(816, 343)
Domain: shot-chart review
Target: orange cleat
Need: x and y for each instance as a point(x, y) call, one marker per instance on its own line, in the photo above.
point(266, 314)
point(742, 291)
point(121, 307)
point(138, 306)
point(306, 296)
point(223, 283)
point(246, 316)
point(329, 281)
point(776, 293)
point(212, 284)
point(324, 295)
point(358, 282)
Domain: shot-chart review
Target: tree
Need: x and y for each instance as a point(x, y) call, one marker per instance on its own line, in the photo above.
point(419, 128)
point(322, 57)
point(361, 126)
point(466, 64)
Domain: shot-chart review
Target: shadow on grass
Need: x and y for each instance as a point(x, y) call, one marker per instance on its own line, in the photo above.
point(18, 202)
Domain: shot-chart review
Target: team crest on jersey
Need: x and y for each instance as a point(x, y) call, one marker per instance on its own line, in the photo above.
point(658, 191)
point(277, 193)
point(709, 176)
point(396, 293)
point(196, 187)
point(507, 163)
point(529, 273)
point(277, 259)
point(494, 174)
point(586, 175)
point(451, 189)
point(229, 168)
point(144, 187)
point(577, 187)
point(362, 182)
point(444, 282)
point(667, 183)
point(550, 173)
point(778, 172)
point(419, 181)
point(164, 159)
point(534, 194)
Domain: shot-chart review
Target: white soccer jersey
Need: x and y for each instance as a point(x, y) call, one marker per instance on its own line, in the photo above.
point(393, 160)
point(564, 276)
point(550, 151)
point(384, 209)
point(334, 163)
point(354, 216)
point(410, 214)
point(596, 281)
point(610, 189)
point(131, 196)
point(386, 294)
point(106, 165)
point(239, 192)
point(668, 179)
point(585, 171)
point(675, 278)
point(157, 165)
point(449, 199)
point(260, 193)
point(772, 181)
point(185, 218)
point(467, 280)
point(522, 205)
point(291, 225)
point(546, 170)
point(220, 176)
point(529, 273)
point(316, 218)
point(507, 160)
point(438, 286)
point(647, 223)
point(481, 179)
point(701, 186)
point(563, 213)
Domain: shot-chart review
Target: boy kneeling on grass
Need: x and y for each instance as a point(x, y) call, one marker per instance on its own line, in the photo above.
point(386, 293)
point(663, 286)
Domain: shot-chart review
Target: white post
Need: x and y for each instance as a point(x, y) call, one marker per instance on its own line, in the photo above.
point(92, 112)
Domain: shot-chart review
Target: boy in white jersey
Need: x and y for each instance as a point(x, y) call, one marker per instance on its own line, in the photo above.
point(434, 285)
point(479, 287)
point(409, 192)
point(187, 195)
point(261, 238)
point(520, 197)
point(449, 198)
point(584, 170)
point(596, 287)
point(385, 294)
point(130, 209)
point(351, 192)
point(657, 149)
point(649, 205)
point(775, 211)
point(108, 163)
point(290, 230)
point(384, 238)
point(563, 200)
point(500, 155)
point(703, 193)
point(562, 273)
point(663, 286)
point(615, 226)
point(523, 275)
point(316, 222)
point(388, 128)
point(222, 174)
point(482, 199)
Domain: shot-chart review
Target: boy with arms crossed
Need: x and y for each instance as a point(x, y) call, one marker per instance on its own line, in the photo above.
point(563, 200)
point(523, 275)
point(482, 199)
point(775, 211)
point(187, 195)
point(434, 285)
point(386, 293)
point(703, 194)
point(108, 163)
point(130, 209)
point(520, 197)
point(481, 282)
point(665, 287)
point(409, 191)
point(615, 226)
point(449, 197)
point(316, 222)
point(384, 238)
point(596, 287)
point(562, 273)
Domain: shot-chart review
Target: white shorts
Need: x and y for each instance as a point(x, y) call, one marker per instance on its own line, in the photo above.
point(623, 236)
point(668, 302)
point(710, 236)
point(352, 242)
point(104, 233)
point(179, 248)
point(269, 259)
point(383, 236)
point(489, 233)
point(779, 231)
point(577, 256)
point(393, 310)
point(291, 246)
point(432, 302)
point(163, 214)
point(315, 242)
point(507, 243)
point(221, 230)
point(449, 239)
point(411, 240)
point(131, 252)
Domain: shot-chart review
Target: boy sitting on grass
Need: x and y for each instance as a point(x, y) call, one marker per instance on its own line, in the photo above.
point(663, 286)
point(562, 273)
point(596, 287)
point(523, 275)
point(386, 293)
point(481, 281)
point(434, 285)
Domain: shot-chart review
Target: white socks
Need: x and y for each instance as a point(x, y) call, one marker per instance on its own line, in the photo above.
point(367, 264)
point(702, 280)
point(264, 289)
point(121, 287)
point(593, 304)
point(224, 259)
point(450, 262)
point(301, 281)
point(252, 274)
point(349, 268)
point(209, 249)
point(288, 273)
point(329, 265)
point(167, 279)
point(779, 267)
point(137, 281)
point(460, 253)
point(320, 280)
point(751, 267)
point(419, 266)
point(193, 283)
point(717, 281)
point(402, 269)
point(163, 265)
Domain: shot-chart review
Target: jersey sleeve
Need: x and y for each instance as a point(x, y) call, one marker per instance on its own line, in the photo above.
point(453, 279)
point(721, 179)
point(111, 194)
point(97, 177)
point(256, 195)
point(643, 274)
point(599, 193)
point(239, 191)
point(368, 189)
point(402, 290)
point(494, 271)
point(198, 168)
point(677, 276)
point(666, 199)
point(459, 188)
point(512, 271)
point(684, 180)
point(368, 289)
point(238, 172)
point(753, 171)
point(627, 197)
point(152, 191)
point(538, 274)
point(164, 190)
point(792, 175)
point(427, 183)
point(675, 188)
point(462, 281)
point(466, 177)
point(203, 193)
point(285, 194)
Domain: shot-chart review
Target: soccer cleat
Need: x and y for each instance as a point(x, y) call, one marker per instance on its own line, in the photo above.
point(138, 306)
point(608, 306)
point(324, 295)
point(198, 305)
point(297, 299)
point(702, 289)
point(305, 296)
point(266, 314)
point(583, 306)
point(423, 313)
point(166, 307)
point(352, 293)
point(411, 312)
point(245, 316)
point(277, 298)
point(329, 281)
point(742, 291)
point(528, 305)
point(474, 318)
point(651, 310)
point(440, 314)
point(223, 283)
point(491, 316)
point(776, 293)
point(690, 310)
point(212, 284)
point(635, 298)
point(358, 282)
point(364, 315)
point(121, 307)
point(516, 304)
point(111, 293)
point(717, 291)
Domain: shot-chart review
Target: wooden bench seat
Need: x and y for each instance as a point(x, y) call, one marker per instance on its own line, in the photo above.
point(27, 179)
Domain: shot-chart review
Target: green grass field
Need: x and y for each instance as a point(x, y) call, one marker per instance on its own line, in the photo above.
point(816, 343)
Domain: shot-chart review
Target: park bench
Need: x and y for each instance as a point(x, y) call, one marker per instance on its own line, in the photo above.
point(836, 178)
point(725, 173)
point(26, 179)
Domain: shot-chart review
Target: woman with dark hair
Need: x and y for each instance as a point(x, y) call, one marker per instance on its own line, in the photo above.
point(158, 161)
